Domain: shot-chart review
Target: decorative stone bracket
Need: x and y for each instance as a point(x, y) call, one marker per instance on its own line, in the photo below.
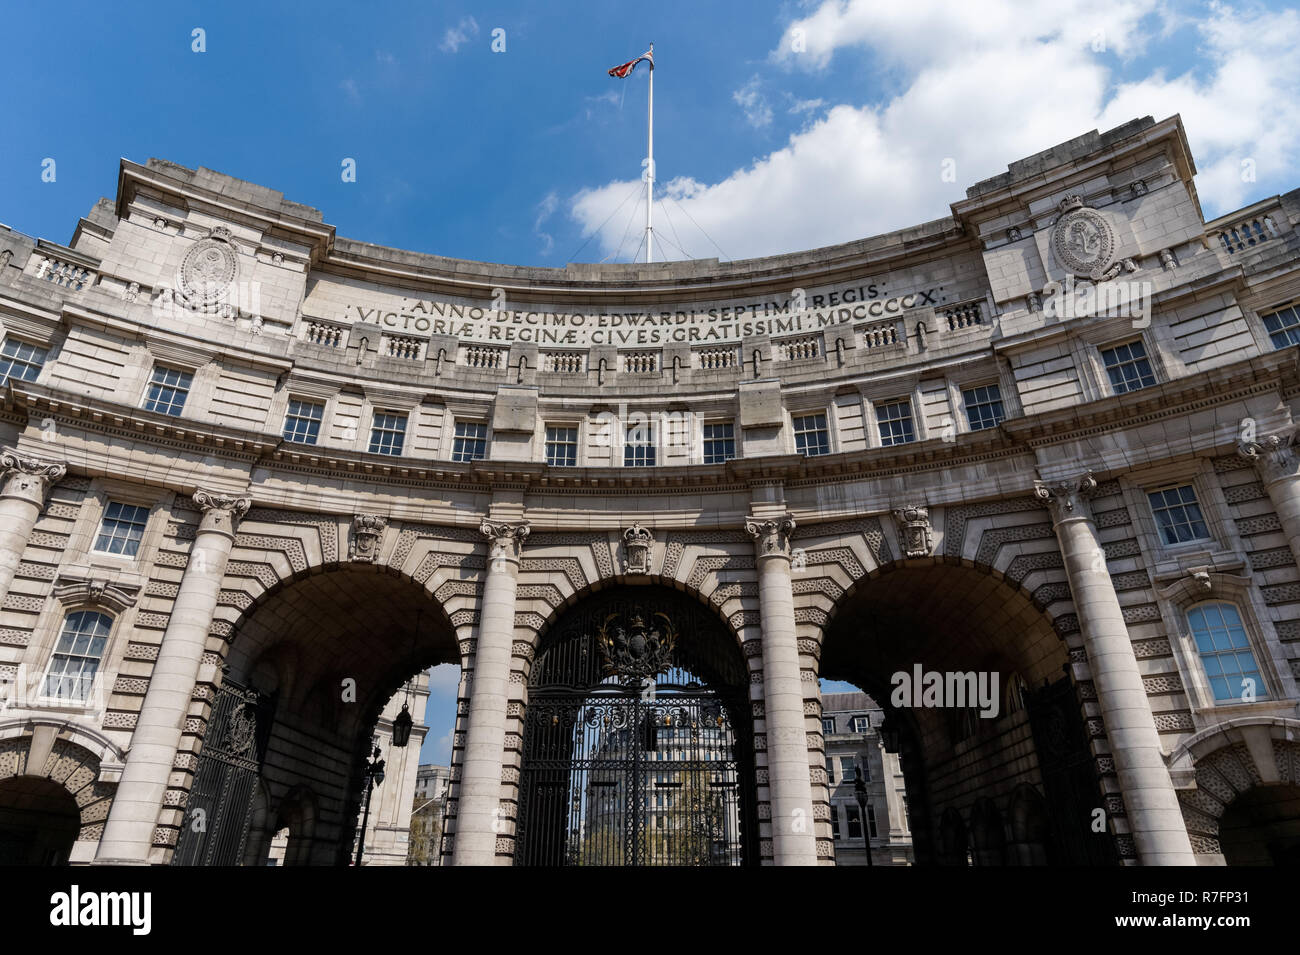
point(79, 590)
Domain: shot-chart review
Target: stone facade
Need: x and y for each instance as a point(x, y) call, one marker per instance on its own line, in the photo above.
point(242, 448)
point(851, 729)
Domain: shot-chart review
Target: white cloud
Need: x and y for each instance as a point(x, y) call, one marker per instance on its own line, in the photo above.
point(757, 113)
point(1011, 81)
point(385, 58)
point(459, 35)
point(798, 106)
point(351, 90)
point(545, 209)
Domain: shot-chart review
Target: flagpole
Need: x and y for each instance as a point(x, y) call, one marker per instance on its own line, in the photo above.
point(650, 166)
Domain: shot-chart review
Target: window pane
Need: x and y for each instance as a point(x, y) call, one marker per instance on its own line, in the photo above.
point(388, 432)
point(1178, 515)
point(302, 422)
point(168, 389)
point(983, 407)
point(471, 441)
point(1226, 654)
point(1128, 367)
point(71, 672)
point(21, 361)
point(811, 436)
point(562, 447)
point(1283, 327)
point(719, 442)
point(895, 420)
point(121, 529)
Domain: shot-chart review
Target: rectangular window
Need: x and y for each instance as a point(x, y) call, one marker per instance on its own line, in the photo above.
point(639, 446)
point(895, 421)
point(1283, 327)
point(835, 822)
point(811, 436)
point(387, 432)
point(302, 422)
point(983, 407)
point(855, 821)
point(561, 446)
point(828, 725)
point(1178, 515)
point(861, 724)
point(471, 441)
point(1128, 367)
point(71, 673)
point(848, 765)
point(871, 820)
point(168, 390)
point(830, 770)
point(20, 360)
point(719, 442)
point(1226, 653)
point(122, 529)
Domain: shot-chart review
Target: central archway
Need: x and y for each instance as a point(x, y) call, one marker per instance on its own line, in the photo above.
point(638, 737)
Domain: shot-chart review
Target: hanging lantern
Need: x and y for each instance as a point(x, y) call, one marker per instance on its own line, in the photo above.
point(402, 727)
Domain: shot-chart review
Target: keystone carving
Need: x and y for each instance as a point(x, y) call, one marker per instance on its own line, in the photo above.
point(636, 545)
point(914, 529)
point(367, 530)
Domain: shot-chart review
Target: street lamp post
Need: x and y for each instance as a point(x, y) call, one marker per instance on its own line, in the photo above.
point(374, 777)
point(860, 793)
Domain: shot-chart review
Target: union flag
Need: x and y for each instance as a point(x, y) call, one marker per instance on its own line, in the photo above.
point(621, 72)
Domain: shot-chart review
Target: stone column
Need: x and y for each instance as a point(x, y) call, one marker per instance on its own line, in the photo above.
point(1275, 460)
point(1149, 798)
point(129, 831)
point(794, 841)
point(24, 484)
point(478, 817)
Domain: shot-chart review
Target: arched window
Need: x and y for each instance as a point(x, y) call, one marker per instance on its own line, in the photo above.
point(1226, 653)
point(76, 658)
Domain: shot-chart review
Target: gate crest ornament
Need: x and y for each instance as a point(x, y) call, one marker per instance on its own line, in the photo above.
point(1083, 241)
point(636, 544)
point(638, 650)
point(367, 529)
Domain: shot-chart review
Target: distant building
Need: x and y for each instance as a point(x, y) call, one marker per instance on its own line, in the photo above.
point(424, 845)
point(850, 727)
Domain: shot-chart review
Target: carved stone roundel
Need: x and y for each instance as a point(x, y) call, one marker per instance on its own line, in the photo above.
point(207, 271)
point(1084, 242)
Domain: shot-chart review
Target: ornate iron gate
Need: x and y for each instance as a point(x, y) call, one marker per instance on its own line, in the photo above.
point(220, 803)
point(637, 740)
point(1070, 782)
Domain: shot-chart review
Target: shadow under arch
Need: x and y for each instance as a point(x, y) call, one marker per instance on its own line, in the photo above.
point(322, 652)
point(638, 742)
point(900, 624)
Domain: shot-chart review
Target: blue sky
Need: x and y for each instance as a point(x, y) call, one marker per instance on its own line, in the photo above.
point(779, 125)
point(768, 143)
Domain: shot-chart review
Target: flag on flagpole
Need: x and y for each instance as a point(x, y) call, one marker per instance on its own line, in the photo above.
point(621, 72)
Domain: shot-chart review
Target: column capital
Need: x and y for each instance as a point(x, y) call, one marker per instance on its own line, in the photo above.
point(771, 536)
point(1067, 500)
point(1272, 455)
point(27, 476)
point(505, 539)
point(221, 512)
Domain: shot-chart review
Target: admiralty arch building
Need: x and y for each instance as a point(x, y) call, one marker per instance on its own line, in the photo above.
point(256, 476)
